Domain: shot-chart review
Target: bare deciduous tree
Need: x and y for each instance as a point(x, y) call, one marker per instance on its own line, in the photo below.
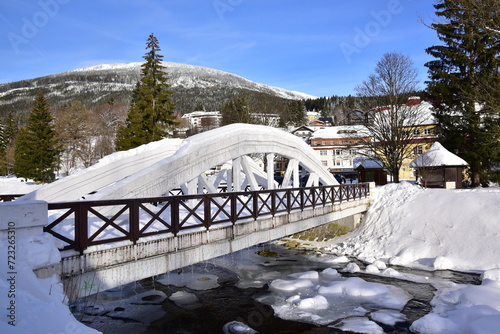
point(394, 118)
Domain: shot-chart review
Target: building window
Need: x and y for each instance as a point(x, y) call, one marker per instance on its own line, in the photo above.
point(338, 152)
point(324, 162)
point(417, 150)
point(323, 152)
point(427, 131)
point(340, 142)
point(416, 132)
point(323, 142)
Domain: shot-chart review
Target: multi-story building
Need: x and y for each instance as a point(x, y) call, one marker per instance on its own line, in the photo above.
point(203, 120)
point(338, 146)
point(424, 135)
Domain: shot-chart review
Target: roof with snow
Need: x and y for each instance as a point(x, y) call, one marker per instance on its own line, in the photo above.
point(367, 163)
point(437, 155)
point(346, 131)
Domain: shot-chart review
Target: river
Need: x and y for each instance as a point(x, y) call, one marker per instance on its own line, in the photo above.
point(205, 297)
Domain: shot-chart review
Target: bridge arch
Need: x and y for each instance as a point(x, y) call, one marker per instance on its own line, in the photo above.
point(186, 167)
point(197, 154)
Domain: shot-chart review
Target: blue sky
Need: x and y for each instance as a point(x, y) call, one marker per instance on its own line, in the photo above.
point(319, 47)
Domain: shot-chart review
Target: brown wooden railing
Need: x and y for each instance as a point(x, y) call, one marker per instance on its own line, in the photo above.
point(86, 223)
point(8, 198)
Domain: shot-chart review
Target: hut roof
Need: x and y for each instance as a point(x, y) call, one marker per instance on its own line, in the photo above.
point(437, 155)
point(367, 163)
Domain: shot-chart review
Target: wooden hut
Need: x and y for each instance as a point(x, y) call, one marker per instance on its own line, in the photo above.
point(439, 168)
point(370, 170)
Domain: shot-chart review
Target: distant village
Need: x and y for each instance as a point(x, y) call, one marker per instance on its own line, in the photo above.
point(341, 149)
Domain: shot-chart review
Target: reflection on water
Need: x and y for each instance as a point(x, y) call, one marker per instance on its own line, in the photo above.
point(167, 304)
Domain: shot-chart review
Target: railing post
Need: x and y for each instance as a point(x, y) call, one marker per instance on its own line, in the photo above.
point(81, 227)
point(233, 207)
point(174, 216)
point(288, 200)
point(134, 220)
point(255, 205)
point(207, 211)
point(273, 194)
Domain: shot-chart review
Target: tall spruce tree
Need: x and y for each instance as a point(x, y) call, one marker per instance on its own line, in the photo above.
point(151, 113)
point(8, 133)
point(37, 149)
point(465, 82)
point(236, 110)
point(296, 113)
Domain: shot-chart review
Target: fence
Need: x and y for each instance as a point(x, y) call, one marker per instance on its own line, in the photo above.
point(81, 224)
point(8, 198)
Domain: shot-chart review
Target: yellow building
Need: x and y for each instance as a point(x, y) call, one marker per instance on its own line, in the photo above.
point(424, 135)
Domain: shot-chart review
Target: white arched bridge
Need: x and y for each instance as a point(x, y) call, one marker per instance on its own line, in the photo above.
point(172, 203)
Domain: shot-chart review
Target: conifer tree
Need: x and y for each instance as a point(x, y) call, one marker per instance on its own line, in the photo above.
point(465, 82)
point(37, 149)
point(297, 113)
point(151, 113)
point(8, 133)
point(3, 148)
point(236, 110)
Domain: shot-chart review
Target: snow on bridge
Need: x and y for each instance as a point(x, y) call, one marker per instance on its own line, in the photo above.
point(157, 168)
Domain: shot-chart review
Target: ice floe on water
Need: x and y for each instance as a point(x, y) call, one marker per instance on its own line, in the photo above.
point(194, 281)
point(325, 297)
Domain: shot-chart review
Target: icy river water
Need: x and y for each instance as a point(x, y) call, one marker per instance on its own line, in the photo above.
point(286, 291)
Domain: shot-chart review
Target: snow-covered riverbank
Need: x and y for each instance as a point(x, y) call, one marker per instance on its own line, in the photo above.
point(436, 229)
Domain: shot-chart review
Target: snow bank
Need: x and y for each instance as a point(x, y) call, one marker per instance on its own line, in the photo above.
point(39, 305)
point(10, 185)
point(429, 228)
point(464, 309)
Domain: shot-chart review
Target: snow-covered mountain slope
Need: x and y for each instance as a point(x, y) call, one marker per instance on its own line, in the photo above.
point(189, 76)
point(192, 85)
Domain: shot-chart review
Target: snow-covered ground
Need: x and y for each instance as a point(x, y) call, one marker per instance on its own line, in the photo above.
point(10, 185)
point(436, 229)
point(406, 225)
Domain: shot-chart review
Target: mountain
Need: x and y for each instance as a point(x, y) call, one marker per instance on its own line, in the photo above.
point(193, 87)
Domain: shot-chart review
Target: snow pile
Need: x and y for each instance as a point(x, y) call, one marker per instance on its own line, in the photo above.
point(429, 228)
point(37, 305)
point(11, 185)
point(465, 308)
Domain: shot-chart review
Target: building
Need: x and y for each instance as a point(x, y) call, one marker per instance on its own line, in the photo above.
point(338, 146)
point(439, 168)
point(423, 136)
point(266, 119)
point(417, 128)
point(303, 132)
point(371, 170)
point(203, 120)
